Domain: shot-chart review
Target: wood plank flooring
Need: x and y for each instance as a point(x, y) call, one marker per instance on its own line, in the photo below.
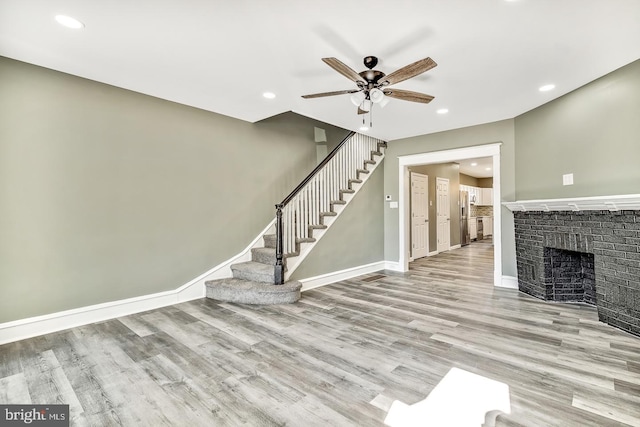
point(339, 357)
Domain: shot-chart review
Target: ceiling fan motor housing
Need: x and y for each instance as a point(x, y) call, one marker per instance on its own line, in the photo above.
point(372, 77)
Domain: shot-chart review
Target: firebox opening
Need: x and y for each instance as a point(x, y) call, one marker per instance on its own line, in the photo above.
point(570, 275)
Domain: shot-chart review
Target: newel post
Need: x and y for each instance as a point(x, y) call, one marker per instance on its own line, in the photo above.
point(279, 267)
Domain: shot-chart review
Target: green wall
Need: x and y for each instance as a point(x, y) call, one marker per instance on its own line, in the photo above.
point(468, 180)
point(107, 194)
point(592, 132)
point(502, 131)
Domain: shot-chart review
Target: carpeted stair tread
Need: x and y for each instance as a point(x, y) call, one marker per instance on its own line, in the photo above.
point(264, 255)
point(254, 271)
point(251, 292)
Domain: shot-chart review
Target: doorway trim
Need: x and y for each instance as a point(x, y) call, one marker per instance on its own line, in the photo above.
point(404, 162)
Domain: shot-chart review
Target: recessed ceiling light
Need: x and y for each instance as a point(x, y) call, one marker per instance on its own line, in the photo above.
point(269, 95)
point(442, 111)
point(547, 88)
point(474, 164)
point(364, 128)
point(69, 22)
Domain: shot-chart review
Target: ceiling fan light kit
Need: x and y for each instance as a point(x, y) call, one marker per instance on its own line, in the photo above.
point(373, 84)
point(357, 98)
point(376, 95)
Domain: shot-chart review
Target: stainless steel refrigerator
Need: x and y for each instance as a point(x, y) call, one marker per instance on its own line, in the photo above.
point(465, 238)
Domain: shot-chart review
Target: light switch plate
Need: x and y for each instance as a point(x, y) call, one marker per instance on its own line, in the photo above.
point(567, 179)
point(393, 205)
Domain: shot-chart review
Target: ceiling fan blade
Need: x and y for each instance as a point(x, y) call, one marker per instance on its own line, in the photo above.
point(343, 69)
point(338, 92)
point(408, 95)
point(361, 111)
point(409, 71)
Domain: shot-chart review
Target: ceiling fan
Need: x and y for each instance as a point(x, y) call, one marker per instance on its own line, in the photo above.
point(373, 85)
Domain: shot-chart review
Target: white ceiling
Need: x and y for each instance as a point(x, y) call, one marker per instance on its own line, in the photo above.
point(481, 167)
point(221, 56)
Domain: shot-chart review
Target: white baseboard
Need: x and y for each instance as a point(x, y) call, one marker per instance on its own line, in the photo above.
point(508, 282)
point(455, 247)
point(336, 276)
point(40, 325)
point(432, 253)
point(393, 266)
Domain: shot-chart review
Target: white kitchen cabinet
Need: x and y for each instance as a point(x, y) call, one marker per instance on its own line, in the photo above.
point(473, 228)
point(487, 225)
point(486, 196)
point(478, 196)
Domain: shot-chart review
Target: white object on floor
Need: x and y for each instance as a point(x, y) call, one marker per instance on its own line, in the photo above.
point(461, 399)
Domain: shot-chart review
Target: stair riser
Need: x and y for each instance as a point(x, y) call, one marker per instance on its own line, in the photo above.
point(355, 185)
point(337, 209)
point(328, 220)
point(228, 295)
point(318, 233)
point(243, 292)
point(270, 241)
point(254, 276)
point(347, 196)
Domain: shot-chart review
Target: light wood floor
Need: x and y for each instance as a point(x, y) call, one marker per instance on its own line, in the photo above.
point(339, 357)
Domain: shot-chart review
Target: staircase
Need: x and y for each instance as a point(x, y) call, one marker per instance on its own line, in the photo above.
point(252, 281)
point(301, 220)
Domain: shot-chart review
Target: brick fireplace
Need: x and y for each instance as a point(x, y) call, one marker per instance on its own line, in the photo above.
point(590, 256)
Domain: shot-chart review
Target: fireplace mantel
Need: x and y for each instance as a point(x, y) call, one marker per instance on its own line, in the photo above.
point(598, 203)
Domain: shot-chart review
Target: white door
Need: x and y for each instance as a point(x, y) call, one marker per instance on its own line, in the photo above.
point(443, 211)
point(419, 215)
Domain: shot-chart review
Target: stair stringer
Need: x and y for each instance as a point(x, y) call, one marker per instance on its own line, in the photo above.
point(294, 262)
